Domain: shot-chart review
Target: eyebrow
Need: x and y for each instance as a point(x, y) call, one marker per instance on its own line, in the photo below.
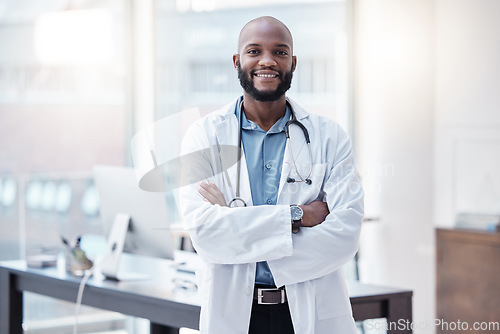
point(283, 46)
point(252, 44)
point(277, 45)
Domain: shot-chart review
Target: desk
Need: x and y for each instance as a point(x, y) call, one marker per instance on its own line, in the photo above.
point(158, 299)
point(467, 277)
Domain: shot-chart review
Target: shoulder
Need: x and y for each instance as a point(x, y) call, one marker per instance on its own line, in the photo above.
point(217, 116)
point(210, 121)
point(324, 123)
point(325, 126)
point(327, 135)
point(203, 131)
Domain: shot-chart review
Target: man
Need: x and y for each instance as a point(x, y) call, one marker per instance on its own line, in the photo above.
point(274, 265)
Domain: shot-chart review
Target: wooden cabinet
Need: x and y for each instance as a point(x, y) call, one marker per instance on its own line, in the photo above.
point(468, 279)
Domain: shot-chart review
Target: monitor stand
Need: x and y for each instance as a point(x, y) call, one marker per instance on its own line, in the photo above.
point(116, 240)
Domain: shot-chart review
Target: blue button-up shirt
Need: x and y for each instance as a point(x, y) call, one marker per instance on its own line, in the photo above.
point(264, 153)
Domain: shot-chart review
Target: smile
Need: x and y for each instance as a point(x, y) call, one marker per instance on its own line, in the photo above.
point(266, 75)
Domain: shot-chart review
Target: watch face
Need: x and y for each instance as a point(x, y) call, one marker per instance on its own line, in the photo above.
point(296, 212)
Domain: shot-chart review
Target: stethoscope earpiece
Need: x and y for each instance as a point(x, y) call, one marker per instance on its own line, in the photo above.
point(292, 180)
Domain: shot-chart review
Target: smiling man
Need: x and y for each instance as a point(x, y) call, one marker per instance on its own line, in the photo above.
point(275, 229)
point(274, 74)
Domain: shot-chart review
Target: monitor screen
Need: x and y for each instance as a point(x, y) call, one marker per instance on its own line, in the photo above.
point(149, 227)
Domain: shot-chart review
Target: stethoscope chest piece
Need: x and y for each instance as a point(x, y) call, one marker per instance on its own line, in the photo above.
point(237, 202)
point(292, 180)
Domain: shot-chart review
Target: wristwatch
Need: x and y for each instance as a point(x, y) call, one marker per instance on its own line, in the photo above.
point(297, 214)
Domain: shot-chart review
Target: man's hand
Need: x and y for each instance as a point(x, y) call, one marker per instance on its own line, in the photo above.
point(314, 213)
point(211, 193)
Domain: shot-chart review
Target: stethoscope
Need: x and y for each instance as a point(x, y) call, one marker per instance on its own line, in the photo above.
point(293, 120)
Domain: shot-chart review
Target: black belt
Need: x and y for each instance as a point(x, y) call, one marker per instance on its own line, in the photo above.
point(269, 296)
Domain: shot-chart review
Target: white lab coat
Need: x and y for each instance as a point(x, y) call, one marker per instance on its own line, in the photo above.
point(232, 240)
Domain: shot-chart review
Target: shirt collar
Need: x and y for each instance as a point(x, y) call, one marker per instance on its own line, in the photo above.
point(278, 127)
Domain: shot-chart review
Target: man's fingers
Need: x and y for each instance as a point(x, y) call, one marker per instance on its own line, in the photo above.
point(209, 186)
point(212, 193)
point(213, 188)
point(207, 195)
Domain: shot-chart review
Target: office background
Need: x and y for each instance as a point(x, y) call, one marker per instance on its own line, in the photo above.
point(414, 81)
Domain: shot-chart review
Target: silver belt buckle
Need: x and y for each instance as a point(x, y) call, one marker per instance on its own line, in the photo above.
point(260, 296)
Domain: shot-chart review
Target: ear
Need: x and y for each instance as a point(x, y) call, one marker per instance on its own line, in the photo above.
point(236, 60)
point(294, 63)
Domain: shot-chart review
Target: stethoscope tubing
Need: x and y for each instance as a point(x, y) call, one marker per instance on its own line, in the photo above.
point(238, 166)
point(293, 120)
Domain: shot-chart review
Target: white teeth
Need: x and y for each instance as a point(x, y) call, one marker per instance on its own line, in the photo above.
point(267, 75)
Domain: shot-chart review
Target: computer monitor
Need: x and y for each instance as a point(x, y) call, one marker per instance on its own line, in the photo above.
point(136, 221)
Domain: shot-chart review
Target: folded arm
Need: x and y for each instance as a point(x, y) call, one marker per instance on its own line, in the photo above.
point(314, 212)
point(325, 248)
point(226, 235)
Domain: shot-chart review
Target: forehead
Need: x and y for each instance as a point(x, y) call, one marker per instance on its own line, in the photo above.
point(265, 33)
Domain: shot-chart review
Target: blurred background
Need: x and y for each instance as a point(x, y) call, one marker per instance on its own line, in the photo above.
point(415, 82)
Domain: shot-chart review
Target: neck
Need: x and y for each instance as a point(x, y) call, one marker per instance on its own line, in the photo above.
point(264, 114)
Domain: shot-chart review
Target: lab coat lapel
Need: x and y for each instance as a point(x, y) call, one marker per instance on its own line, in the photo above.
point(298, 143)
point(297, 137)
point(227, 134)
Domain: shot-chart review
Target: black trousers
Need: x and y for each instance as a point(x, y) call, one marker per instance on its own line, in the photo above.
point(270, 319)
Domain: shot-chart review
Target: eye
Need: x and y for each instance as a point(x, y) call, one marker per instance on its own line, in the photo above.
point(252, 52)
point(282, 53)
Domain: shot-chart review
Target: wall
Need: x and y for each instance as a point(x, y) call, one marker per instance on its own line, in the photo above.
point(394, 104)
point(467, 120)
point(59, 138)
point(428, 131)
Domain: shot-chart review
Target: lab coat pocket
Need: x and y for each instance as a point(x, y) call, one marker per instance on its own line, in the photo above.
point(301, 192)
point(332, 298)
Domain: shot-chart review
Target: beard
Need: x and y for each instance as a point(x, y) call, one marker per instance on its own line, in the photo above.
point(246, 82)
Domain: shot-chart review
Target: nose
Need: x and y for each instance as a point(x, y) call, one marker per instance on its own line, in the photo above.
point(267, 60)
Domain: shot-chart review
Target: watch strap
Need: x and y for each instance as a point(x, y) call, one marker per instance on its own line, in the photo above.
point(296, 223)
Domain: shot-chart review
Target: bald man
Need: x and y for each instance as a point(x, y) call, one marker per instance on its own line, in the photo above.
point(275, 236)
